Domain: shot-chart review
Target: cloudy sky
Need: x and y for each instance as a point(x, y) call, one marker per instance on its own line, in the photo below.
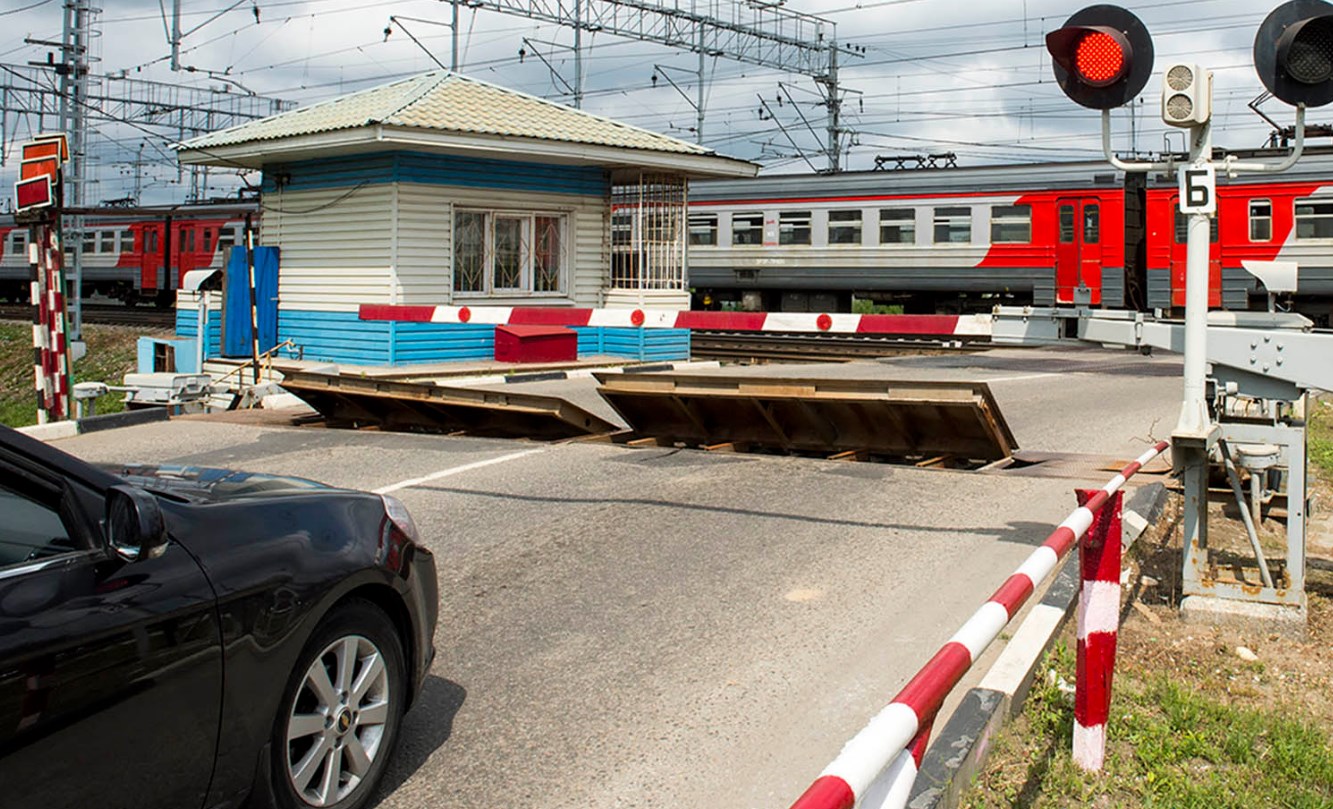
point(932, 76)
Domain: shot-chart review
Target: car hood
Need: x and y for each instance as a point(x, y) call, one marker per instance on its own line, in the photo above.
point(207, 484)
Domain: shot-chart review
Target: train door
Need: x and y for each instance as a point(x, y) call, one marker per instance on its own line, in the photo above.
point(1078, 250)
point(150, 234)
point(1180, 253)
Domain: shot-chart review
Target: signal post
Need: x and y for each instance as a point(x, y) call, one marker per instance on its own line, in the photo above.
point(1102, 58)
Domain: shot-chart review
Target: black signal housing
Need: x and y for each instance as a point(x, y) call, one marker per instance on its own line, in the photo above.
point(1293, 52)
point(1096, 81)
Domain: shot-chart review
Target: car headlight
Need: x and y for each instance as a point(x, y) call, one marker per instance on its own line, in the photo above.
point(399, 516)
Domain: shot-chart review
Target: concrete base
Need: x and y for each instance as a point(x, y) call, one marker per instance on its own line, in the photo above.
point(1289, 621)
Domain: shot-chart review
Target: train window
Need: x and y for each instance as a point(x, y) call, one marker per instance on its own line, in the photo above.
point(19, 241)
point(703, 228)
point(127, 241)
point(226, 241)
point(1314, 219)
point(747, 228)
point(1011, 224)
point(953, 225)
point(89, 242)
point(106, 241)
point(897, 226)
point(1092, 224)
point(1183, 228)
point(844, 227)
point(1066, 224)
point(151, 238)
point(794, 227)
point(622, 229)
point(1261, 220)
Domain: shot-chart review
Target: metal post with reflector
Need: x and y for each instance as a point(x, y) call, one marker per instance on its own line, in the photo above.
point(1293, 52)
point(1102, 56)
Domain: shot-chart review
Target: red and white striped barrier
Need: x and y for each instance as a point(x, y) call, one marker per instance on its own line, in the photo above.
point(970, 326)
point(876, 768)
point(1098, 622)
point(50, 352)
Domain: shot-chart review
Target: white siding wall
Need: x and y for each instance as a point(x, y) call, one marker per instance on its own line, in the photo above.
point(341, 250)
point(425, 242)
point(337, 247)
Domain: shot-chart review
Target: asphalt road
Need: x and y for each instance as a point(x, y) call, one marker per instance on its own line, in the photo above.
point(656, 627)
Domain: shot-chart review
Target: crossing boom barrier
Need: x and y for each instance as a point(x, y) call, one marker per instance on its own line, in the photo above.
point(877, 767)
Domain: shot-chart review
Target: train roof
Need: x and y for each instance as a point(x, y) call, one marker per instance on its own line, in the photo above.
point(1315, 166)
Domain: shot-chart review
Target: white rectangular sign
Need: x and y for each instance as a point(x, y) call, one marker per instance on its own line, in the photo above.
point(1198, 189)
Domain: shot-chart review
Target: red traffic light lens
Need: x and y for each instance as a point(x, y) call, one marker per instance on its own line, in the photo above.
point(1099, 59)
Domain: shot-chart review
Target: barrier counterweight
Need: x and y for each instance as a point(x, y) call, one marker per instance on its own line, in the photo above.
point(875, 764)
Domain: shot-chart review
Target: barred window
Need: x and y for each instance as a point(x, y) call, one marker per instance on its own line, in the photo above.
point(509, 252)
point(1011, 224)
point(897, 226)
point(953, 225)
point(794, 227)
point(844, 227)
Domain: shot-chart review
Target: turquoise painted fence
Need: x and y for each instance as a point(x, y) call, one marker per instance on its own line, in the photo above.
point(343, 337)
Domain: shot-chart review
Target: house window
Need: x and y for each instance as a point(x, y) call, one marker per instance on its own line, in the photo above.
point(1011, 224)
point(1261, 220)
point(953, 225)
point(508, 253)
point(747, 228)
point(844, 227)
point(794, 227)
point(897, 226)
point(703, 229)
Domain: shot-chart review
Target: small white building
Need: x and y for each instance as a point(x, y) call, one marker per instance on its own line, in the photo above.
point(444, 190)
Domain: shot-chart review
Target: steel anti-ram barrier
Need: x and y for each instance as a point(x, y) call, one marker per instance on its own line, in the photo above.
point(877, 767)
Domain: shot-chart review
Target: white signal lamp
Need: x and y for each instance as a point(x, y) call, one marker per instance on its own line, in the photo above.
point(1187, 95)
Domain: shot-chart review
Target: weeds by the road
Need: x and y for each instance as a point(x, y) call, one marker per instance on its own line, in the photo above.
point(111, 355)
point(1202, 717)
point(1319, 437)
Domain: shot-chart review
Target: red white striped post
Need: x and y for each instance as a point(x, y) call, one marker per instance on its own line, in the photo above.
point(875, 762)
point(1098, 620)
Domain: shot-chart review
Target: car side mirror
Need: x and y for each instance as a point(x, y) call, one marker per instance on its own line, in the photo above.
point(134, 523)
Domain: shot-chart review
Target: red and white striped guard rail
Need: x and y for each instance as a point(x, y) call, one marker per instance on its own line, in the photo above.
point(961, 326)
point(877, 768)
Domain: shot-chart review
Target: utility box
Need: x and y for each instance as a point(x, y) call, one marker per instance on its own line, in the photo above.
point(536, 344)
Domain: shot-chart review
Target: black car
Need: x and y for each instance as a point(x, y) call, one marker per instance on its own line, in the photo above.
point(178, 637)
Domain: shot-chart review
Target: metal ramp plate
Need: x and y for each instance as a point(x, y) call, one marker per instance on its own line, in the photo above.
point(348, 401)
point(905, 420)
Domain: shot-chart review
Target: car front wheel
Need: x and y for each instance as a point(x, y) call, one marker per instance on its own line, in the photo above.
point(341, 711)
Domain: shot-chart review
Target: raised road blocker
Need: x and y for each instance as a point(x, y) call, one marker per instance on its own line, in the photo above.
point(944, 424)
point(350, 401)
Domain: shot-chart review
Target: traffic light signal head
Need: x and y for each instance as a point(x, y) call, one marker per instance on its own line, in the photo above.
point(1293, 52)
point(1102, 56)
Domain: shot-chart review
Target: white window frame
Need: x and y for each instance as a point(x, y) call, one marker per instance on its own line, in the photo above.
point(527, 272)
point(1267, 219)
point(1002, 216)
point(1321, 201)
point(909, 223)
point(855, 225)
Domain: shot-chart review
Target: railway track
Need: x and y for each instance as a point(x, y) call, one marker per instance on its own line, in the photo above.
point(752, 347)
point(106, 315)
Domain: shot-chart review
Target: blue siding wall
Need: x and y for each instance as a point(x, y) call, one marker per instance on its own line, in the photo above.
point(187, 325)
point(431, 169)
point(343, 337)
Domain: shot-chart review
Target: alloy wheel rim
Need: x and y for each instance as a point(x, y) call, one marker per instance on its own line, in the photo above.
point(337, 721)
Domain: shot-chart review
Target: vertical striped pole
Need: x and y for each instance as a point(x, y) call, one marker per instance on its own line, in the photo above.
point(1098, 621)
point(55, 287)
point(36, 254)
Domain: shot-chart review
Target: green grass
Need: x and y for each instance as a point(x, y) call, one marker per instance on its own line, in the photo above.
point(1319, 437)
point(1171, 745)
point(865, 306)
point(111, 355)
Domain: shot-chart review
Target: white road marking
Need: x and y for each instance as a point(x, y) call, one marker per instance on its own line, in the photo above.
point(1017, 378)
point(456, 470)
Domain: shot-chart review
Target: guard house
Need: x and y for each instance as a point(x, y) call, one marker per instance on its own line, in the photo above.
point(442, 190)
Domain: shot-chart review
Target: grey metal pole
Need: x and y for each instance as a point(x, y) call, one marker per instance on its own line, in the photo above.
point(453, 33)
point(578, 54)
point(176, 35)
point(1191, 439)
